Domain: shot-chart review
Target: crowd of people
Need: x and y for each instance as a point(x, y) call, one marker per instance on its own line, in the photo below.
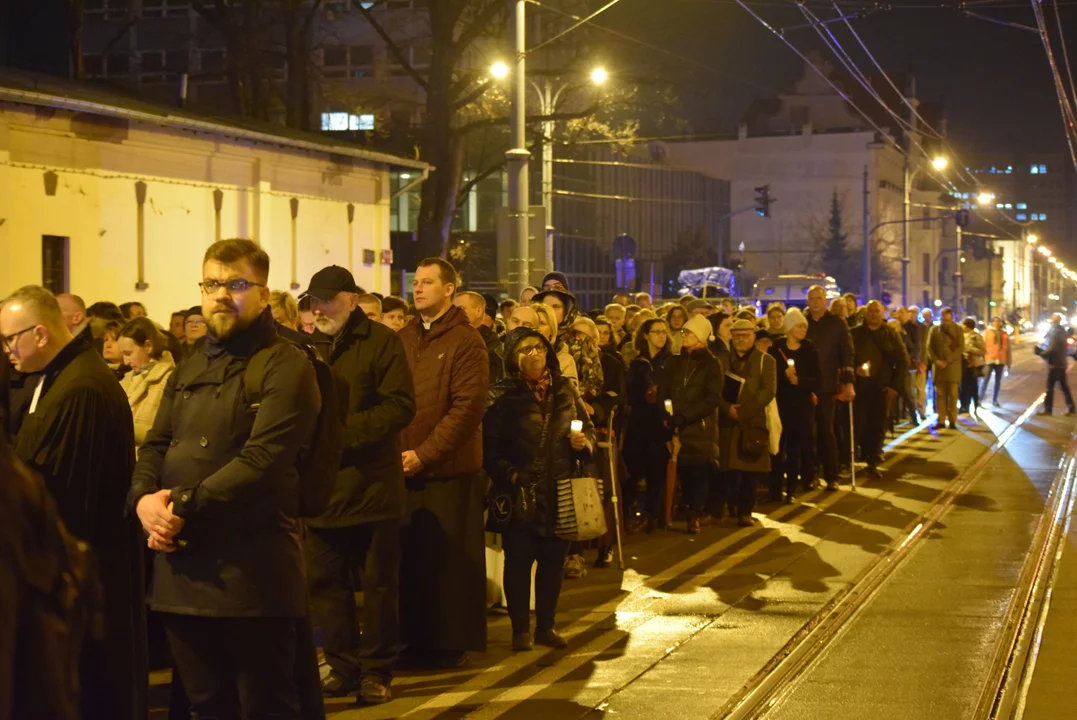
point(240, 475)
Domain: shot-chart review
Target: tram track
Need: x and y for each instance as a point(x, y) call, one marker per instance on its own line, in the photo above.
point(777, 679)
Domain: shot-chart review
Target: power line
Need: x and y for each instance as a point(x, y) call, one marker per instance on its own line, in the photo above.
point(658, 49)
point(579, 23)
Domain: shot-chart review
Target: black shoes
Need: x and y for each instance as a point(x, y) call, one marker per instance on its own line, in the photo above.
point(605, 556)
point(873, 472)
point(336, 685)
point(832, 486)
point(790, 498)
point(521, 641)
point(549, 638)
point(373, 690)
point(452, 660)
point(1044, 412)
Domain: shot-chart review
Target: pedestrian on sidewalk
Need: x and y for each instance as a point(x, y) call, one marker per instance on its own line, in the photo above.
point(998, 357)
point(217, 489)
point(694, 389)
point(78, 435)
point(881, 365)
point(531, 454)
point(830, 335)
point(972, 367)
point(916, 333)
point(946, 345)
point(798, 382)
point(749, 384)
point(646, 436)
point(443, 552)
point(360, 530)
point(1055, 353)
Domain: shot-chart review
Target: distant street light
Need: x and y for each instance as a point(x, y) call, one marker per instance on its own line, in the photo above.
point(985, 198)
point(599, 76)
point(499, 70)
point(1032, 239)
point(940, 163)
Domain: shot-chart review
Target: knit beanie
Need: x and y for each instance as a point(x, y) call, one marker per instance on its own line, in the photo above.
point(793, 317)
point(700, 327)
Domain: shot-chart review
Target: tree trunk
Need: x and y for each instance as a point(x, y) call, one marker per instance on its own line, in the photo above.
point(297, 103)
point(78, 66)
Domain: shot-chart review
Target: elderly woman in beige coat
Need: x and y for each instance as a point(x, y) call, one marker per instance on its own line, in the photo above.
point(142, 347)
point(749, 382)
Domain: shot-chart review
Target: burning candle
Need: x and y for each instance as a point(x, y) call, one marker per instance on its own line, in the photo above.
point(577, 426)
point(669, 406)
point(791, 362)
point(866, 367)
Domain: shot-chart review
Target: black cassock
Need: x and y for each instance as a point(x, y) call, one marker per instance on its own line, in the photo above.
point(80, 438)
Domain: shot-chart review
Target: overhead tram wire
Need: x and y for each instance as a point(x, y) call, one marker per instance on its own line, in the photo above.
point(656, 48)
point(1068, 116)
point(579, 23)
point(1065, 52)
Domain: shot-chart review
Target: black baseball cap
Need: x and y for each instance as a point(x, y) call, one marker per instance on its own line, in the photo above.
point(329, 281)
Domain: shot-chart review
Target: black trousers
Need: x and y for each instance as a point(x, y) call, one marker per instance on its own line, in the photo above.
point(969, 392)
point(827, 442)
point(523, 547)
point(869, 412)
point(237, 668)
point(650, 467)
point(795, 464)
point(332, 554)
point(742, 486)
point(1057, 375)
point(696, 480)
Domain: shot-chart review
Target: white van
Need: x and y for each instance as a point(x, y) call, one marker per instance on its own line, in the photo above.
point(790, 290)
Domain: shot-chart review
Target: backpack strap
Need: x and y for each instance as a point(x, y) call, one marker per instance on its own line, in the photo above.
point(255, 373)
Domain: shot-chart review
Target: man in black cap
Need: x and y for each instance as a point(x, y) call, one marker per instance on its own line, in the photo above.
point(361, 528)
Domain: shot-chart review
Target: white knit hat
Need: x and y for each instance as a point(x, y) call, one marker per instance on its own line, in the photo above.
point(793, 317)
point(700, 327)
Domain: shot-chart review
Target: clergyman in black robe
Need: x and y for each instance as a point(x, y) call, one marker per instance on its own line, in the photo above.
point(78, 434)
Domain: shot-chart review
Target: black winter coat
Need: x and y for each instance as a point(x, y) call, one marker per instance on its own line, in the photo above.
point(695, 387)
point(647, 386)
point(232, 473)
point(512, 433)
point(795, 406)
point(831, 337)
point(372, 371)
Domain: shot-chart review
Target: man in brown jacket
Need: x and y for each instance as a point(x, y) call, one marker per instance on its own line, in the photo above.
point(442, 571)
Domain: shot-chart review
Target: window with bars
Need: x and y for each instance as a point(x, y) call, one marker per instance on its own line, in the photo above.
point(348, 61)
point(107, 9)
point(159, 66)
point(165, 8)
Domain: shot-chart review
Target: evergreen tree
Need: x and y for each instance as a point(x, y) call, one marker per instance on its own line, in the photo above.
point(836, 260)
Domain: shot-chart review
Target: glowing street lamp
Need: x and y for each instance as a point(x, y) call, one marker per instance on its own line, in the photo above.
point(499, 70)
point(985, 198)
point(940, 163)
point(599, 76)
point(1032, 238)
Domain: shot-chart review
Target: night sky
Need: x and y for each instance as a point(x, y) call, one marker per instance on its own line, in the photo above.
point(994, 81)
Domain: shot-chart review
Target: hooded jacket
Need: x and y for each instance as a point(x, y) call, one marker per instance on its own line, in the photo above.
point(584, 354)
point(695, 387)
point(451, 371)
point(513, 450)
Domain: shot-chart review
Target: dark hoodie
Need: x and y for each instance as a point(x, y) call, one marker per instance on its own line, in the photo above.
point(584, 353)
point(516, 422)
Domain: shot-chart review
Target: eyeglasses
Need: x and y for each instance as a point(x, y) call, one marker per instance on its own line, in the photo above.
point(239, 285)
point(195, 323)
point(662, 333)
point(530, 350)
point(10, 340)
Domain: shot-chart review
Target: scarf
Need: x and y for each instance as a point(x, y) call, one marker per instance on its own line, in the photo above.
point(539, 387)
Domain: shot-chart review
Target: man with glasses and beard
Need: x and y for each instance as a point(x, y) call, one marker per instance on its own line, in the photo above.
point(78, 434)
point(216, 489)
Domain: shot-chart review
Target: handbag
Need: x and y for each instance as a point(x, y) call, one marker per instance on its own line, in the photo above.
point(587, 515)
point(774, 420)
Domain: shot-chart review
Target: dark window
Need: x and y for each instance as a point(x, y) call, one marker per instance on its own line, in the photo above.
point(95, 65)
point(361, 56)
point(176, 61)
point(54, 263)
point(212, 61)
point(400, 118)
point(926, 269)
point(118, 64)
point(335, 56)
point(152, 62)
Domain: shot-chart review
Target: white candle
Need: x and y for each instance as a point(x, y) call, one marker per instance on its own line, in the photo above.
point(577, 426)
point(669, 406)
point(791, 362)
point(865, 367)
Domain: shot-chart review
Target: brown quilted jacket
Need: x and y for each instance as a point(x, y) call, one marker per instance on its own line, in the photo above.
point(451, 371)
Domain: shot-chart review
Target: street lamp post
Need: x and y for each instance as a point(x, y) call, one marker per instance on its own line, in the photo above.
point(939, 164)
point(519, 158)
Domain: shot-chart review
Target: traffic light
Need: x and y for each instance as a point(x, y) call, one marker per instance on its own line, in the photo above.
point(763, 200)
point(962, 218)
point(886, 299)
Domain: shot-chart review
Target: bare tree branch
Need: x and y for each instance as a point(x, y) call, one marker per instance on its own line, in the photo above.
point(394, 48)
point(476, 125)
point(465, 188)
point(479, 24)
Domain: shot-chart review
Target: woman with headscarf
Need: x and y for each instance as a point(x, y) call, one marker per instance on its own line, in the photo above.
point(547, 327)
point(530, 451)
point(646, 434)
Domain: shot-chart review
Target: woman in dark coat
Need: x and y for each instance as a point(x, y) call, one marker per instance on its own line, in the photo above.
point(529, 448)
point(646, 434)
point(798, 380)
